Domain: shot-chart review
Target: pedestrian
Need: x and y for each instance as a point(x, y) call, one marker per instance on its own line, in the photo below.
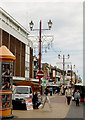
point(68, 95)
point(51, 90)
point(35, 101)
point(77, 97)
point(64, 90)
point(61, 91)
point(46, 98)
point(58, 90)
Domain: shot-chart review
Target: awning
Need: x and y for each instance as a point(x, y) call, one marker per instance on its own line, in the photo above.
point(26, 83)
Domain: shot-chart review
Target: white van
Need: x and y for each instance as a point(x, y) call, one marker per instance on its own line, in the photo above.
point(20, 93)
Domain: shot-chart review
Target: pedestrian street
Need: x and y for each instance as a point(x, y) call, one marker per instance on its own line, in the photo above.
point(59, 109)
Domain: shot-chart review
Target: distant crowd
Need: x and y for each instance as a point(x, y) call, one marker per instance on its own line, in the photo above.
point(60, 90)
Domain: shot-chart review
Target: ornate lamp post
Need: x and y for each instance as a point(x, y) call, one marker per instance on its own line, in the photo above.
point(60, 57)
point(40, 30)
point(71, 66)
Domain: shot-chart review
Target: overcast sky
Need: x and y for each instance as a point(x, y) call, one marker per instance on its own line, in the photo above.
point(67, 28)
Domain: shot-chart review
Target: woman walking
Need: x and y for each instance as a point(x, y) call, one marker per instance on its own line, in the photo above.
point(77, 97)
point(68, 95)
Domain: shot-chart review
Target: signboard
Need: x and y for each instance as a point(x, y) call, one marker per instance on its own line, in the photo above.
point(40, 74)
point(48, 77)
point(29, 104)
point(37, 77)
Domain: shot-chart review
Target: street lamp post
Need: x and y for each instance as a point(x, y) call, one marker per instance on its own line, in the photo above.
point(63, 69)
point(40, 30)
point(72, 73)
point(76, 76)
point(59, 56)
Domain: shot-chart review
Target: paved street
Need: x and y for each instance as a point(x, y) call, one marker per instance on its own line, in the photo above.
point(59, 110)
point(75, 112)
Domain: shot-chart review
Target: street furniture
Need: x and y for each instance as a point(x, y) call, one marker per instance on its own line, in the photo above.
point(6, 72)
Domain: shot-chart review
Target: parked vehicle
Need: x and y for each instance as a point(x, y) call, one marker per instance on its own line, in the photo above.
point(20, 94)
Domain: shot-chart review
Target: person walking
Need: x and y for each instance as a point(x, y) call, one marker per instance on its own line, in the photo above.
point(35, 101)
point(51, 90)
point(61, 91)
point(77, 97)
point(46, 98)
point(58, 90)
point(68, 95)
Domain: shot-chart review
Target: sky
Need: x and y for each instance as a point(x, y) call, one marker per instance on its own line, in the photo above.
point(66, 32)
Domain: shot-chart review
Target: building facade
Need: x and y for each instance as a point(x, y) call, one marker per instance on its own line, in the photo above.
point(15, 37)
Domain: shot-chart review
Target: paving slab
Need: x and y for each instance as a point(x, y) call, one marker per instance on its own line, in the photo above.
point(59, 109)
point(75, 111)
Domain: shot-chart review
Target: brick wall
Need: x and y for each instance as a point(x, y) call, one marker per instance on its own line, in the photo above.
point(17, 71)
point(5, 38)
point(14, 45)
point(23, 60)
point(12, 49)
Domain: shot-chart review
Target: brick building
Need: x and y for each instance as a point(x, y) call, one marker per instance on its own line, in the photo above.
point(15, 37)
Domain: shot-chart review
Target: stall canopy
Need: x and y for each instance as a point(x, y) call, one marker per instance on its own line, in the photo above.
point(26, 83)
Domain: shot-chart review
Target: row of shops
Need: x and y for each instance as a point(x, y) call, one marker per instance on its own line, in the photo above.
point(17, 64)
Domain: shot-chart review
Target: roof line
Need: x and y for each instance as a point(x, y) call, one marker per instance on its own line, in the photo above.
point(15, 21)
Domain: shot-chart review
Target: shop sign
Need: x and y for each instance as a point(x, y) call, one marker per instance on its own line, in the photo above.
point(48, 77)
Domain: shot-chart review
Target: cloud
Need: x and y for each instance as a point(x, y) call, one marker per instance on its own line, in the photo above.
point(67, 18)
